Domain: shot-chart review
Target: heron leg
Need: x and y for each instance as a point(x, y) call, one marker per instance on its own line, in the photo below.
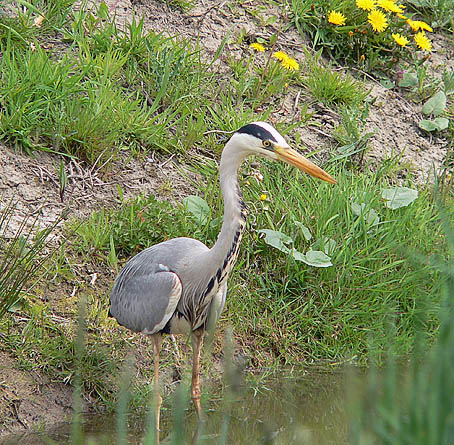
point(157, 340)
point(197, 341)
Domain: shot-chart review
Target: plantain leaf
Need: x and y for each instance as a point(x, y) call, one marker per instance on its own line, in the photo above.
point(198, 207)
point(315, 258)
point(408, 80)
point(397, 197)
point(436, 104)
point(276, 239)
point(439, 123)
point(369, 214)
point(306, 233)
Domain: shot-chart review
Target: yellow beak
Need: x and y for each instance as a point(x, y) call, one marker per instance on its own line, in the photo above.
point(292, 157)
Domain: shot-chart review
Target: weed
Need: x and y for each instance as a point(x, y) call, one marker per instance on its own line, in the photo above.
point(328, 86)
point(138, 224)
point(368, 33)
point(418, 408)
point(264, 74)
point(23, 255)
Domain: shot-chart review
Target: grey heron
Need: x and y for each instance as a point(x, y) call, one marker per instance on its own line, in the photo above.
point(180, 285)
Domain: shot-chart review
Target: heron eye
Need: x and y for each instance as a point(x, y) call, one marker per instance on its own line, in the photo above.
point(266, 143)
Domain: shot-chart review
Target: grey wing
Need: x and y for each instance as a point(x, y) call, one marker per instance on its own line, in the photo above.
point(145, 295)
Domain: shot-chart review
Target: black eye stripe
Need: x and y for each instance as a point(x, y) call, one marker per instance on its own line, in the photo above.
point(257, 131)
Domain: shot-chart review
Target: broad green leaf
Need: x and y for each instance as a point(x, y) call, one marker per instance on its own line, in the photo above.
point(315, 258)
point(198, 207)
point(387, 83)
point(370, 215)
point(306, 233)
point(397, 197)
point(436, 104)
point(427, 125)
point(276, 239)
point(408, 80)
point(325, 244)
point(440, 123)
point(215, 222)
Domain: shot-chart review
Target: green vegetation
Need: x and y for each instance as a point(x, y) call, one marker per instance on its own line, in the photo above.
point(344, 274)
point(374, 34)
point(140, 84)
point(328, 86)
point(23, 254)
point(419, 409)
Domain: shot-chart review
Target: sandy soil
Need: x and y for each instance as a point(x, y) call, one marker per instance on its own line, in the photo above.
point(29, 399)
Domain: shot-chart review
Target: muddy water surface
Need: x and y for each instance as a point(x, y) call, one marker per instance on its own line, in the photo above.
point(310, 409)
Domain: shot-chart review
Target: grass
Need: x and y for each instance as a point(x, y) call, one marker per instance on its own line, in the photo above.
point(356, 41)
point(329, 86)
point(102, 92)
point(142, 82)
point(419, 409)
point(24, 252)
point(315, 313)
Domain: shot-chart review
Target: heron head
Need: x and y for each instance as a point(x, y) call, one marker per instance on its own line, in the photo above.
point(263, 139)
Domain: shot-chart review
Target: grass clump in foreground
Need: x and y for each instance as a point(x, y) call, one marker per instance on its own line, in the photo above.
point(421, 410)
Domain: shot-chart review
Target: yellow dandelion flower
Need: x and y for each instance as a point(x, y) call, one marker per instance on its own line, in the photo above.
point(257, 47)
point(390, 5)
point(400, 40)
point(280, 55)
point(417, 25)
point(422, 41)
point(423, 26)
point(377, 20)
point(367, 5)
point(336, 18)
point(290, 64)
point(263, 197)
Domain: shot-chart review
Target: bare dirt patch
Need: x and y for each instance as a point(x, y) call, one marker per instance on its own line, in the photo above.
point(29, 399)
point(32, 183)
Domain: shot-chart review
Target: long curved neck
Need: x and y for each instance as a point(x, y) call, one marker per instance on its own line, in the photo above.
point(223, 253)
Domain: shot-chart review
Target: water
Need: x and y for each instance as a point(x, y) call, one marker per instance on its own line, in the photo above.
point(308, 409)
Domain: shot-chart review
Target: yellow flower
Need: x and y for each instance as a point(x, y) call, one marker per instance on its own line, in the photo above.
point(400, 40)
point(257, 47)
point(377, 20)
point(336, 18)
point(263, 197)
point(423, 42)
point(424, 26)
point(390, 5)
point(367, 5)
point(290, 64)
point(286, 61)
point(417, 25)
point(280, 55)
